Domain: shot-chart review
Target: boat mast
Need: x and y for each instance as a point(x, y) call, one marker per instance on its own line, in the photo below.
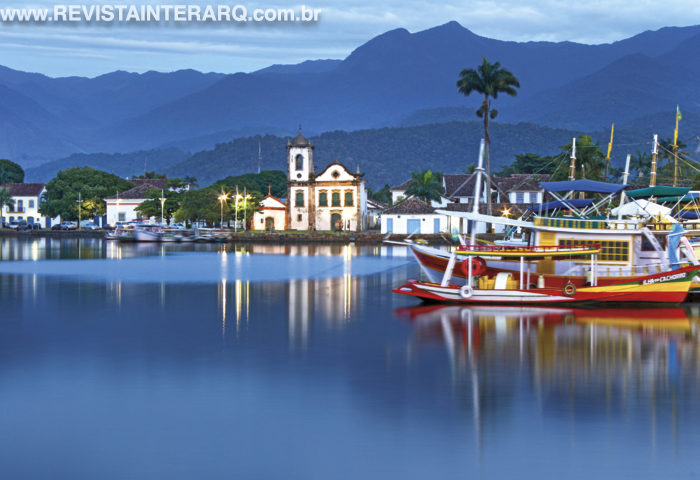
point(654, 152)
point(477, 190)
point(624, 182)
point(572, 167)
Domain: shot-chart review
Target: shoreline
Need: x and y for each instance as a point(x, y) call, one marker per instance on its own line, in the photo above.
point(362, 238)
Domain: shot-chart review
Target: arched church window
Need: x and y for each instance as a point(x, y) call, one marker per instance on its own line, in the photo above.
point(299, 199)
point(323, 199)
point(335, 199)
point(348, 199)
point(299, 162)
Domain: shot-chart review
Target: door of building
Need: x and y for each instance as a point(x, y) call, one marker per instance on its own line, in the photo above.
point(413, 225)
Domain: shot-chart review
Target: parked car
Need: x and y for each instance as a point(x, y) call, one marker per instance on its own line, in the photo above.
point(24, 226)
point(14, 224)
point(88, 225)
point(56, 226)
point(68, 225)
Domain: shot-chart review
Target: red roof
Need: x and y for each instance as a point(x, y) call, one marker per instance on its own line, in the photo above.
point(24, 189)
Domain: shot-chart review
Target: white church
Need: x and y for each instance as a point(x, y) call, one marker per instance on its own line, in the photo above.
point(334, 199)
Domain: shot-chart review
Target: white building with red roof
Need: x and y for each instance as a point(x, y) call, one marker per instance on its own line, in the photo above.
point(26, 200)
point(271, 214)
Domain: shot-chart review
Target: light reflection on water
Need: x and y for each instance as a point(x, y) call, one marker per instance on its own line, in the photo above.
point(331, 378)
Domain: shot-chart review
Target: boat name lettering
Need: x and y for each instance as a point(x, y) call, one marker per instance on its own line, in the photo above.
point(667, 278)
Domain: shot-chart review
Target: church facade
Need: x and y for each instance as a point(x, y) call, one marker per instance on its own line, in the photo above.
point(335, 199)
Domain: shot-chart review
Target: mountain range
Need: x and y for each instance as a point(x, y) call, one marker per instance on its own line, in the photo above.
point(397, 79)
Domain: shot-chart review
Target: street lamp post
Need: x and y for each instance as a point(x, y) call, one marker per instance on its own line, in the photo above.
point(245, 211)
point(162, 206)
point(222, 198)
point(79, 216)
point(235, 223)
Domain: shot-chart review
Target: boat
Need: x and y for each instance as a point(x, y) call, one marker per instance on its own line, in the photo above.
point(502, 288)
point(148, 233)
point(667, 287)
point(630, 246)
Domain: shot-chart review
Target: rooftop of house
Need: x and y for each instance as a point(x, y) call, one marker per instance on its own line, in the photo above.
point(410, 206)
point(143, 185)
point(521, 182)
point(402, 186)
point(24, 189)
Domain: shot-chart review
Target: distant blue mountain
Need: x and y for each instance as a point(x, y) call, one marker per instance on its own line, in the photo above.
point(397, 78)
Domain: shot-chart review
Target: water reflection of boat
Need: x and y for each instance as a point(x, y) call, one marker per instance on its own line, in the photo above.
point(647, 318)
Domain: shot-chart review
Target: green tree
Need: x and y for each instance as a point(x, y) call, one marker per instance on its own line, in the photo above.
point(590, 160)
point(191, 181)
point(5, 197)
point(383, 195)
point(489, 79)
point(640, 164)
point(198, 205)
point(93, 185)
point(529, 163)
point(426, 185)
point(10, 172)
point(687, 168)
point(152, 206)
point(246, 208)
point(273, 180)
point(151, 175)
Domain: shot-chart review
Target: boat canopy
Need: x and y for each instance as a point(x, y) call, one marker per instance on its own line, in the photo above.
point(559, 204)
point(642, 208)
point(688, 197)
point(588, 186)
point(658, 191)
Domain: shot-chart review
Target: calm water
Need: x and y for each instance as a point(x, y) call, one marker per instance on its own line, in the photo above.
point(240, 361)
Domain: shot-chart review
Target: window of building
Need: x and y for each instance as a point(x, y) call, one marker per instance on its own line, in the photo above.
point(20, 205)
point(348, 199)
point(122, 216)
point(299, 217)
point(31, 203)
point(12, 205)
point(299, 162)
point(335, 199)
point(323, 199)
point(610, 251)
point(299, 199)
point(519, 197)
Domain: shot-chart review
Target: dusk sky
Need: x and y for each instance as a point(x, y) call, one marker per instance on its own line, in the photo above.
point(90, 50)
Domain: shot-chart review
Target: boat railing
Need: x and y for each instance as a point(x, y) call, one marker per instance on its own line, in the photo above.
point(584, 248)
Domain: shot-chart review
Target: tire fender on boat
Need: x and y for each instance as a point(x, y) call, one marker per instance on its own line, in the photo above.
point(478, 266)
point(466, 291)
point(569, 289)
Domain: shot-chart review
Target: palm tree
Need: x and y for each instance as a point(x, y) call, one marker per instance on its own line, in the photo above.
point(640, 162)
point(191, 181)
point(426, 186)
point(590, 160)
point(489, 79)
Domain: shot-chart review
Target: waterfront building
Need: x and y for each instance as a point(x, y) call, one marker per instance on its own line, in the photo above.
point(24, 206)
point(271, 214)
point(121, 207)
point(413, 216)
point(334, 199)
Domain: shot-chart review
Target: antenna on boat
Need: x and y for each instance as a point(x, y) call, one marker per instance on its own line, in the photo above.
point(572, 167)
point(259, 154)
point(654, 152)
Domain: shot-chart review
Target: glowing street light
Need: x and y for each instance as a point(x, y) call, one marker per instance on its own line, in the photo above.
point(222, 198)
point(162, 205)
